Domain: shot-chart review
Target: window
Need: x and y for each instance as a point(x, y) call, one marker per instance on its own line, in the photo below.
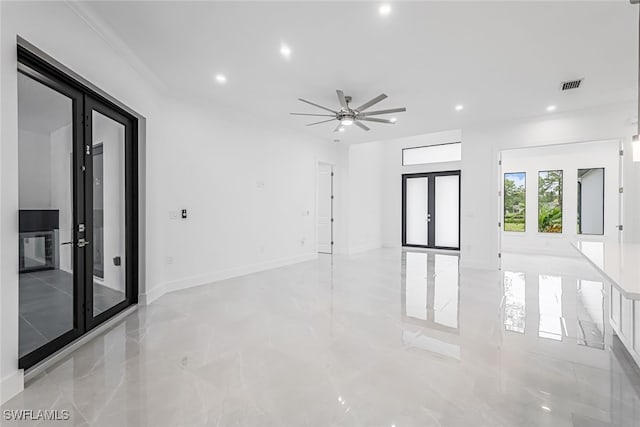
point(515, 201)
point(550, 201)
point(451, 152)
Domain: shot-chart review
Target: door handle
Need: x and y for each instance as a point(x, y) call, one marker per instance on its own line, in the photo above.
point(82, 243)
point(66, 243)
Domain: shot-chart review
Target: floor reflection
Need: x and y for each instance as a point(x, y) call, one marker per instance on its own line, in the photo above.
point(386, 337)
point(430, 290)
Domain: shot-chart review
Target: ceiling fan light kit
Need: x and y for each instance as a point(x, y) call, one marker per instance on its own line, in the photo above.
point(348, 116)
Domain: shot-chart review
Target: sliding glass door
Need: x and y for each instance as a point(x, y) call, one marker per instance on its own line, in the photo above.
point(431, 210)
point(77, 217)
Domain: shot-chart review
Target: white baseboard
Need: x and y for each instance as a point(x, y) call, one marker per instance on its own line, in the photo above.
point(361, 249)
point(11, 386)
point(568, 253)
point(190, 282)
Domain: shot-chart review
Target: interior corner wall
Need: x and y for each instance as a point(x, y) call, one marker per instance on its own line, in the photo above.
point(480, 180)
point(250, 194)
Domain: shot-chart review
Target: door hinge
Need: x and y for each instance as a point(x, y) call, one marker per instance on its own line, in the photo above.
point(499, 255)
point(331, 173)
point(622, 152)
point(332, 243)
point(81, 228)
point(331, 197)
point(499, 193)
point(620, 227)
point(499, 224)
point(331, 219)
point(621, 190)
point(87, 150)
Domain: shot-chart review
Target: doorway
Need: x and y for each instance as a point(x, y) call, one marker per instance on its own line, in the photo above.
point(77, 209)
point(431, 210)
point(325, 209)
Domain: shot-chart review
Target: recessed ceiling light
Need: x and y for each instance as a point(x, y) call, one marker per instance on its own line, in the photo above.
point(347, 122)
point(551, 108)
point(221, 78)
point(459, 107)
point(393, 120)
point(384, 9)
point(285, 51)
point(340, 129)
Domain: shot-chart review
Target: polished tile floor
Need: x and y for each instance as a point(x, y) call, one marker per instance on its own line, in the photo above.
point(46, 306)
point(385, 338)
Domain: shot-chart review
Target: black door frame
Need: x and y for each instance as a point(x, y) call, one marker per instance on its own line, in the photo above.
point(431, 207)
point(84, 97)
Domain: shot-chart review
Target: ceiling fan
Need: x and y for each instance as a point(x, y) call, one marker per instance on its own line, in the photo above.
point(348, 116)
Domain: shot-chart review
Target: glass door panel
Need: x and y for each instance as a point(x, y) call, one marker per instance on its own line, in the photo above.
point(447, 210)
point(46, 249)
point(417, 205)
point(109, 214)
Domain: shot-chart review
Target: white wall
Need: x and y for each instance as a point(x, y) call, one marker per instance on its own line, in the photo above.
point(568, 158)
point(249, 188)
point(480, 177)
point(364, 196)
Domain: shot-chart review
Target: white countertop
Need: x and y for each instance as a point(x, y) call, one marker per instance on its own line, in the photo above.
point(619, 263)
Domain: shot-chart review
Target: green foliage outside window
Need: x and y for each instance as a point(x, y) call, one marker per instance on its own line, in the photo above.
point(514, 201)
point(550, 201)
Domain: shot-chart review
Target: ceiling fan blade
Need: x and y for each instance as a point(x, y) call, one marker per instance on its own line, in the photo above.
point(372, 102)
point(316, 105)
point(338, 128)
point(317, 123)
point(392, 110)
point(371, 119)
point(360, 125)
point(306, 114)
point(341, 98)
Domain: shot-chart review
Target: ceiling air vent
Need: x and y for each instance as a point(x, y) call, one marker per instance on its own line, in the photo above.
point(571, 84)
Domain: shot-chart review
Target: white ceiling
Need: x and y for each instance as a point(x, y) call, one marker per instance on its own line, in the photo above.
point(501, 60)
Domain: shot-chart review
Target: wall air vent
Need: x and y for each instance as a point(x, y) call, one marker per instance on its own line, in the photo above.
point(572, 84)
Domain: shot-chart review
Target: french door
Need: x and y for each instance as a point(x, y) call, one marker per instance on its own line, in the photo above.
point(431, 210)
point(77, 210)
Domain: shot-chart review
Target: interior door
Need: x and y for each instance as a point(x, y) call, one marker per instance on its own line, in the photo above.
point(325, 209)
point(431, 210)
point(108, 147)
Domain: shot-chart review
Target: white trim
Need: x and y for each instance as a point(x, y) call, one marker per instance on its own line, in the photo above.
point(11, 386)
point(190, 282)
